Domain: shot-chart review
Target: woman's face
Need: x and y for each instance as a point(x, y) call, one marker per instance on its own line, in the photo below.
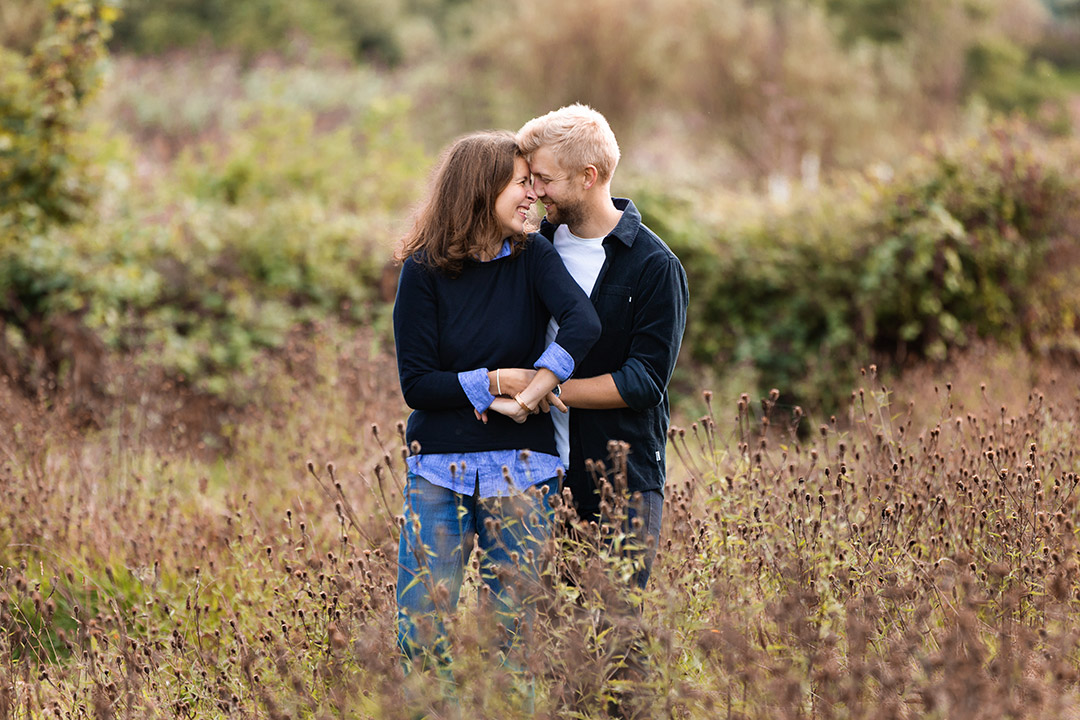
point(515, 200)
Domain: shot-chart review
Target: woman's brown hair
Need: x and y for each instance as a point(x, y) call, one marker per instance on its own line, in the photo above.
point(458, 217)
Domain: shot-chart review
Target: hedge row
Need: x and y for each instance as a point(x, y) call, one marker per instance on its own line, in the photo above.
point(201, 265)
point(205, 268)
point(973, 238)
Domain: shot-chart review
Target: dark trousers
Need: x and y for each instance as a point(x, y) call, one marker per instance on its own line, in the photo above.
point(640, 522)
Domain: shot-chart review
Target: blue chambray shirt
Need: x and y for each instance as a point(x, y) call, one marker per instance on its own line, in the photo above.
point(482, 472)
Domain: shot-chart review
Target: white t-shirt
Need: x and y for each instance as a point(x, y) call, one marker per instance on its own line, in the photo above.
point(583, 257)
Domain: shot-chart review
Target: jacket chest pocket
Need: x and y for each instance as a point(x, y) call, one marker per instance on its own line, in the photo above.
point(615, 306)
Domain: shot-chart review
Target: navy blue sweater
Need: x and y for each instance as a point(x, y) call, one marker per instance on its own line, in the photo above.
point(492, 315)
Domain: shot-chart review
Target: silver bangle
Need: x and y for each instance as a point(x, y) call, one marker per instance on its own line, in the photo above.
point(498, 385)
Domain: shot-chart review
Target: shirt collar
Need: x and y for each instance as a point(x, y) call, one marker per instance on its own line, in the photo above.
point(504, 251)
point(625, 231)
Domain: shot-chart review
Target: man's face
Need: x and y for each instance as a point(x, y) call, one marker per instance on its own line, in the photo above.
point(557, 189)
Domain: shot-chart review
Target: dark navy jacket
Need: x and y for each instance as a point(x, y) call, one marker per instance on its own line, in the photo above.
point(641, 297)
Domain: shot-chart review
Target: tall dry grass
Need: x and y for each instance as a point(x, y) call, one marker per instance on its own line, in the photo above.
point(905, 559)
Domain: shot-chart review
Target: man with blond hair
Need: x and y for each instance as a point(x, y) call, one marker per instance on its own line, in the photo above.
point(618, 398)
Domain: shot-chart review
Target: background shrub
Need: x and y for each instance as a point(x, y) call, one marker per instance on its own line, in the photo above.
point(957, 246)
point(236, 197)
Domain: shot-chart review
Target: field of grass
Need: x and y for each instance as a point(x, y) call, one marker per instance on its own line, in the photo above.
point(201, 458)
point(907, 558)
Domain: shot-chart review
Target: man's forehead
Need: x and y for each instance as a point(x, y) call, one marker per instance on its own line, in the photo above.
point(543, 161)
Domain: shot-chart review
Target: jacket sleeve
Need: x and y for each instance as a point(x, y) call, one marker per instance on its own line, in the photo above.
point(416, 336)
point(579, 326)
point(660, 301)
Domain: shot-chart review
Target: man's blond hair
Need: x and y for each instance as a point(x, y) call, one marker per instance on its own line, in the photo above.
point(577, 135)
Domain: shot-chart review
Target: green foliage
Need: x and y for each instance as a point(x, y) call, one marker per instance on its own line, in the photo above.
point(955, 247)
point(46, 180)
point(731, 89)
point(285, 226)
point(363, 29)
point(21, 23)
point(240, 202)
point(40, 620)
point(879, 20)
point(152, 26)
point(1061, 43)
point(1064, 8)
point(286, 219)
point(1000, 73)
point(42, 177)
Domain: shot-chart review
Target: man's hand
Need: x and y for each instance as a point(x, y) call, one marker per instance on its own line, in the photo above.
point(509, 381)
point(550, 401)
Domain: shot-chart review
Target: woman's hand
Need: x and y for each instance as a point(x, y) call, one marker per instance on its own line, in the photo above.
point(511, 409)
point(509, 381)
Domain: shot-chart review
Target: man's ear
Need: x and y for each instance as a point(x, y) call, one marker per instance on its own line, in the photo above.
point(591, 175)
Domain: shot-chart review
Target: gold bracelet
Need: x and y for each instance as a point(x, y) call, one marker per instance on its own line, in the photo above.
point(521, 402)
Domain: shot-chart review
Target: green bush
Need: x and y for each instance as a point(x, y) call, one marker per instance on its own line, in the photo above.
point(236, 249)
point(955, 247)
point(277, 220)
point(235, 244)
point(46, 180)
point(375, 30)
point(41, 95)
point(733, 90)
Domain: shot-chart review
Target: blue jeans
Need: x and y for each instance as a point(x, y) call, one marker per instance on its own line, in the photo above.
point(441, 527)
point(648, 507)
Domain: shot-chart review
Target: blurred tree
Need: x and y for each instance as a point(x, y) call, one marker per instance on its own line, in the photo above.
point(1064, 8)
point(151, 26)
point(1061, 43)
point(882, 21)
point(767, 83)
point(961, 48)
point(249, 27)
point(44, 181)
point(21, 23)
point(41, 95)
point(376, 30)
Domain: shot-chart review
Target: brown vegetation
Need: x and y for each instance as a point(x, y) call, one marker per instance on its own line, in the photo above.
point(905, 560)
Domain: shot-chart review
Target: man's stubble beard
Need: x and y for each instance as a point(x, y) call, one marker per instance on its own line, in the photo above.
point(572, 214)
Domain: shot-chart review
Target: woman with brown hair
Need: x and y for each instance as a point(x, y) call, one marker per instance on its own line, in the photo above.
point(477, 292)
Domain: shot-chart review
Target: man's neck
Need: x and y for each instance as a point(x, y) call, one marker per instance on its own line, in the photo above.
point(602, 218)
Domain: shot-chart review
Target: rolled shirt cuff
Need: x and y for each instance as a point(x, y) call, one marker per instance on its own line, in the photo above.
point(557, 360)
point(476, 385)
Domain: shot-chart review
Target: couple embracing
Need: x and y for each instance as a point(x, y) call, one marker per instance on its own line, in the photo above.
point(524, 356)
